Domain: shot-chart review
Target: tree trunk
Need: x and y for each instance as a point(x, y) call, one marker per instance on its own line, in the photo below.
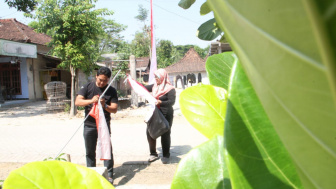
point(73, 109)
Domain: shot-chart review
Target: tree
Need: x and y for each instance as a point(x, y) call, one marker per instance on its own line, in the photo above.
point(111, 38)
point(202, 52)
point(141, 44)
point(23, 5)
point(143, 15)
point(75, 28)
point(166, 53)
point(182, 49)
point(124, 52)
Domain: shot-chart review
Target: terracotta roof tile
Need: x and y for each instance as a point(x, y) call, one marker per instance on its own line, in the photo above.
point(191, 62)
point(142, 62)
point(11, 29)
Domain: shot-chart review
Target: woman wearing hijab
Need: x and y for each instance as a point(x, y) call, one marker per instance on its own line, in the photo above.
point(165, 94)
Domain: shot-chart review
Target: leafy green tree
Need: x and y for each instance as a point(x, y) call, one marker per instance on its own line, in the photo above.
point(75, 28)
point(33, 24)
point(143, 15)
point(124, 51)
point(23, 5)
point(111, 38)
point(202, 52)
point(165, 53)
point(141, 44)
point(182, 49)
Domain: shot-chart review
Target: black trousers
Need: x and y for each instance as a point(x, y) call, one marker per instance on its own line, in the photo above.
point(90, 138)
point(165, 139)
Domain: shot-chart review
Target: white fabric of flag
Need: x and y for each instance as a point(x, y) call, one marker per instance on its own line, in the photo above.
point(104, 145)
point(153, 66)
point(143, 92)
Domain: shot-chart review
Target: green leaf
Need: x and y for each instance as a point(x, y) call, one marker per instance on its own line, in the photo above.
point(203, 167)
point(218, 67)
point(287, 49)
point(185, 4)
point(256, 156)
point(204, 106)
point(55, 174)
point(205, 9)
point(208, 30)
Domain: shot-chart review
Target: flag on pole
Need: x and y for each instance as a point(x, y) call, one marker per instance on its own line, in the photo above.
point(153, 66)
point(104, 145)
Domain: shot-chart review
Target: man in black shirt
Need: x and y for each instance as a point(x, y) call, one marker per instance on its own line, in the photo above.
point(87, 96)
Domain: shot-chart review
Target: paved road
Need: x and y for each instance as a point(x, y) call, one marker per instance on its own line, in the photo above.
point(29, 133)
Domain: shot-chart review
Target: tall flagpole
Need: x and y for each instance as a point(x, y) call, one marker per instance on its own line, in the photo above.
point(153, 66)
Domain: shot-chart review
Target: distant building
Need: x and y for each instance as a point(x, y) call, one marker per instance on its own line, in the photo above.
point(218, 47)
point(188, 71)
point(25, 65)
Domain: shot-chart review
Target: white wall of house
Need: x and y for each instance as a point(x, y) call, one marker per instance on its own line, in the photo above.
point(36, 90)
point(24, 79)
point(205, 79)
point(172, 78)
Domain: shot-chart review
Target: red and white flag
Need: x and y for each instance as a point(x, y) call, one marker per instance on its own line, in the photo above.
point(143, 92)
point(153, 66)
point(104, 145)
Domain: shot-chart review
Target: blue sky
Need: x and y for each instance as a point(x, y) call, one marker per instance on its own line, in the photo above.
point(171, 21)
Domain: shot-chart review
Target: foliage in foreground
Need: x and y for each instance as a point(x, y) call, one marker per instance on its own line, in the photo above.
point(279, 124)
point(56, 174)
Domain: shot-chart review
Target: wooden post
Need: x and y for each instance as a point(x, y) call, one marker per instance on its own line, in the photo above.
point(68, 158)
point(134, 101)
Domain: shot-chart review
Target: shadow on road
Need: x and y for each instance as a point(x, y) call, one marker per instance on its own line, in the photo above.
point(127, 171)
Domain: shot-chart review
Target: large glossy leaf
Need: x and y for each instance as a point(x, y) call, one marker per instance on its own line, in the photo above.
point(203, 167)
point(256, 156)
point(208, 30)
point(186, 3)
point(204, 106)
point(205, 9)
point(218, 67)
point(288, 54)
point(55, 175)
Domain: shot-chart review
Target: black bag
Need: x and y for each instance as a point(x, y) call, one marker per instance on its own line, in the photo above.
point(157, 125)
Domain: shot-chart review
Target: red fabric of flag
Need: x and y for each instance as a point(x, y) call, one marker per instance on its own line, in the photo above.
point(104, 145)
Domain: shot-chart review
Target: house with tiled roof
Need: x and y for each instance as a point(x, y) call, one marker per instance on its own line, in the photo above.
point(25, 65)
point(188, 71)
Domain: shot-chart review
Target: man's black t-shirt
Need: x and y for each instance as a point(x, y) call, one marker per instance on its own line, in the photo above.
point(89, 90)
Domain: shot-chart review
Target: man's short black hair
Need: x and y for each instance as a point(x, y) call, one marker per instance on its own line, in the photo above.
point(104, 71)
